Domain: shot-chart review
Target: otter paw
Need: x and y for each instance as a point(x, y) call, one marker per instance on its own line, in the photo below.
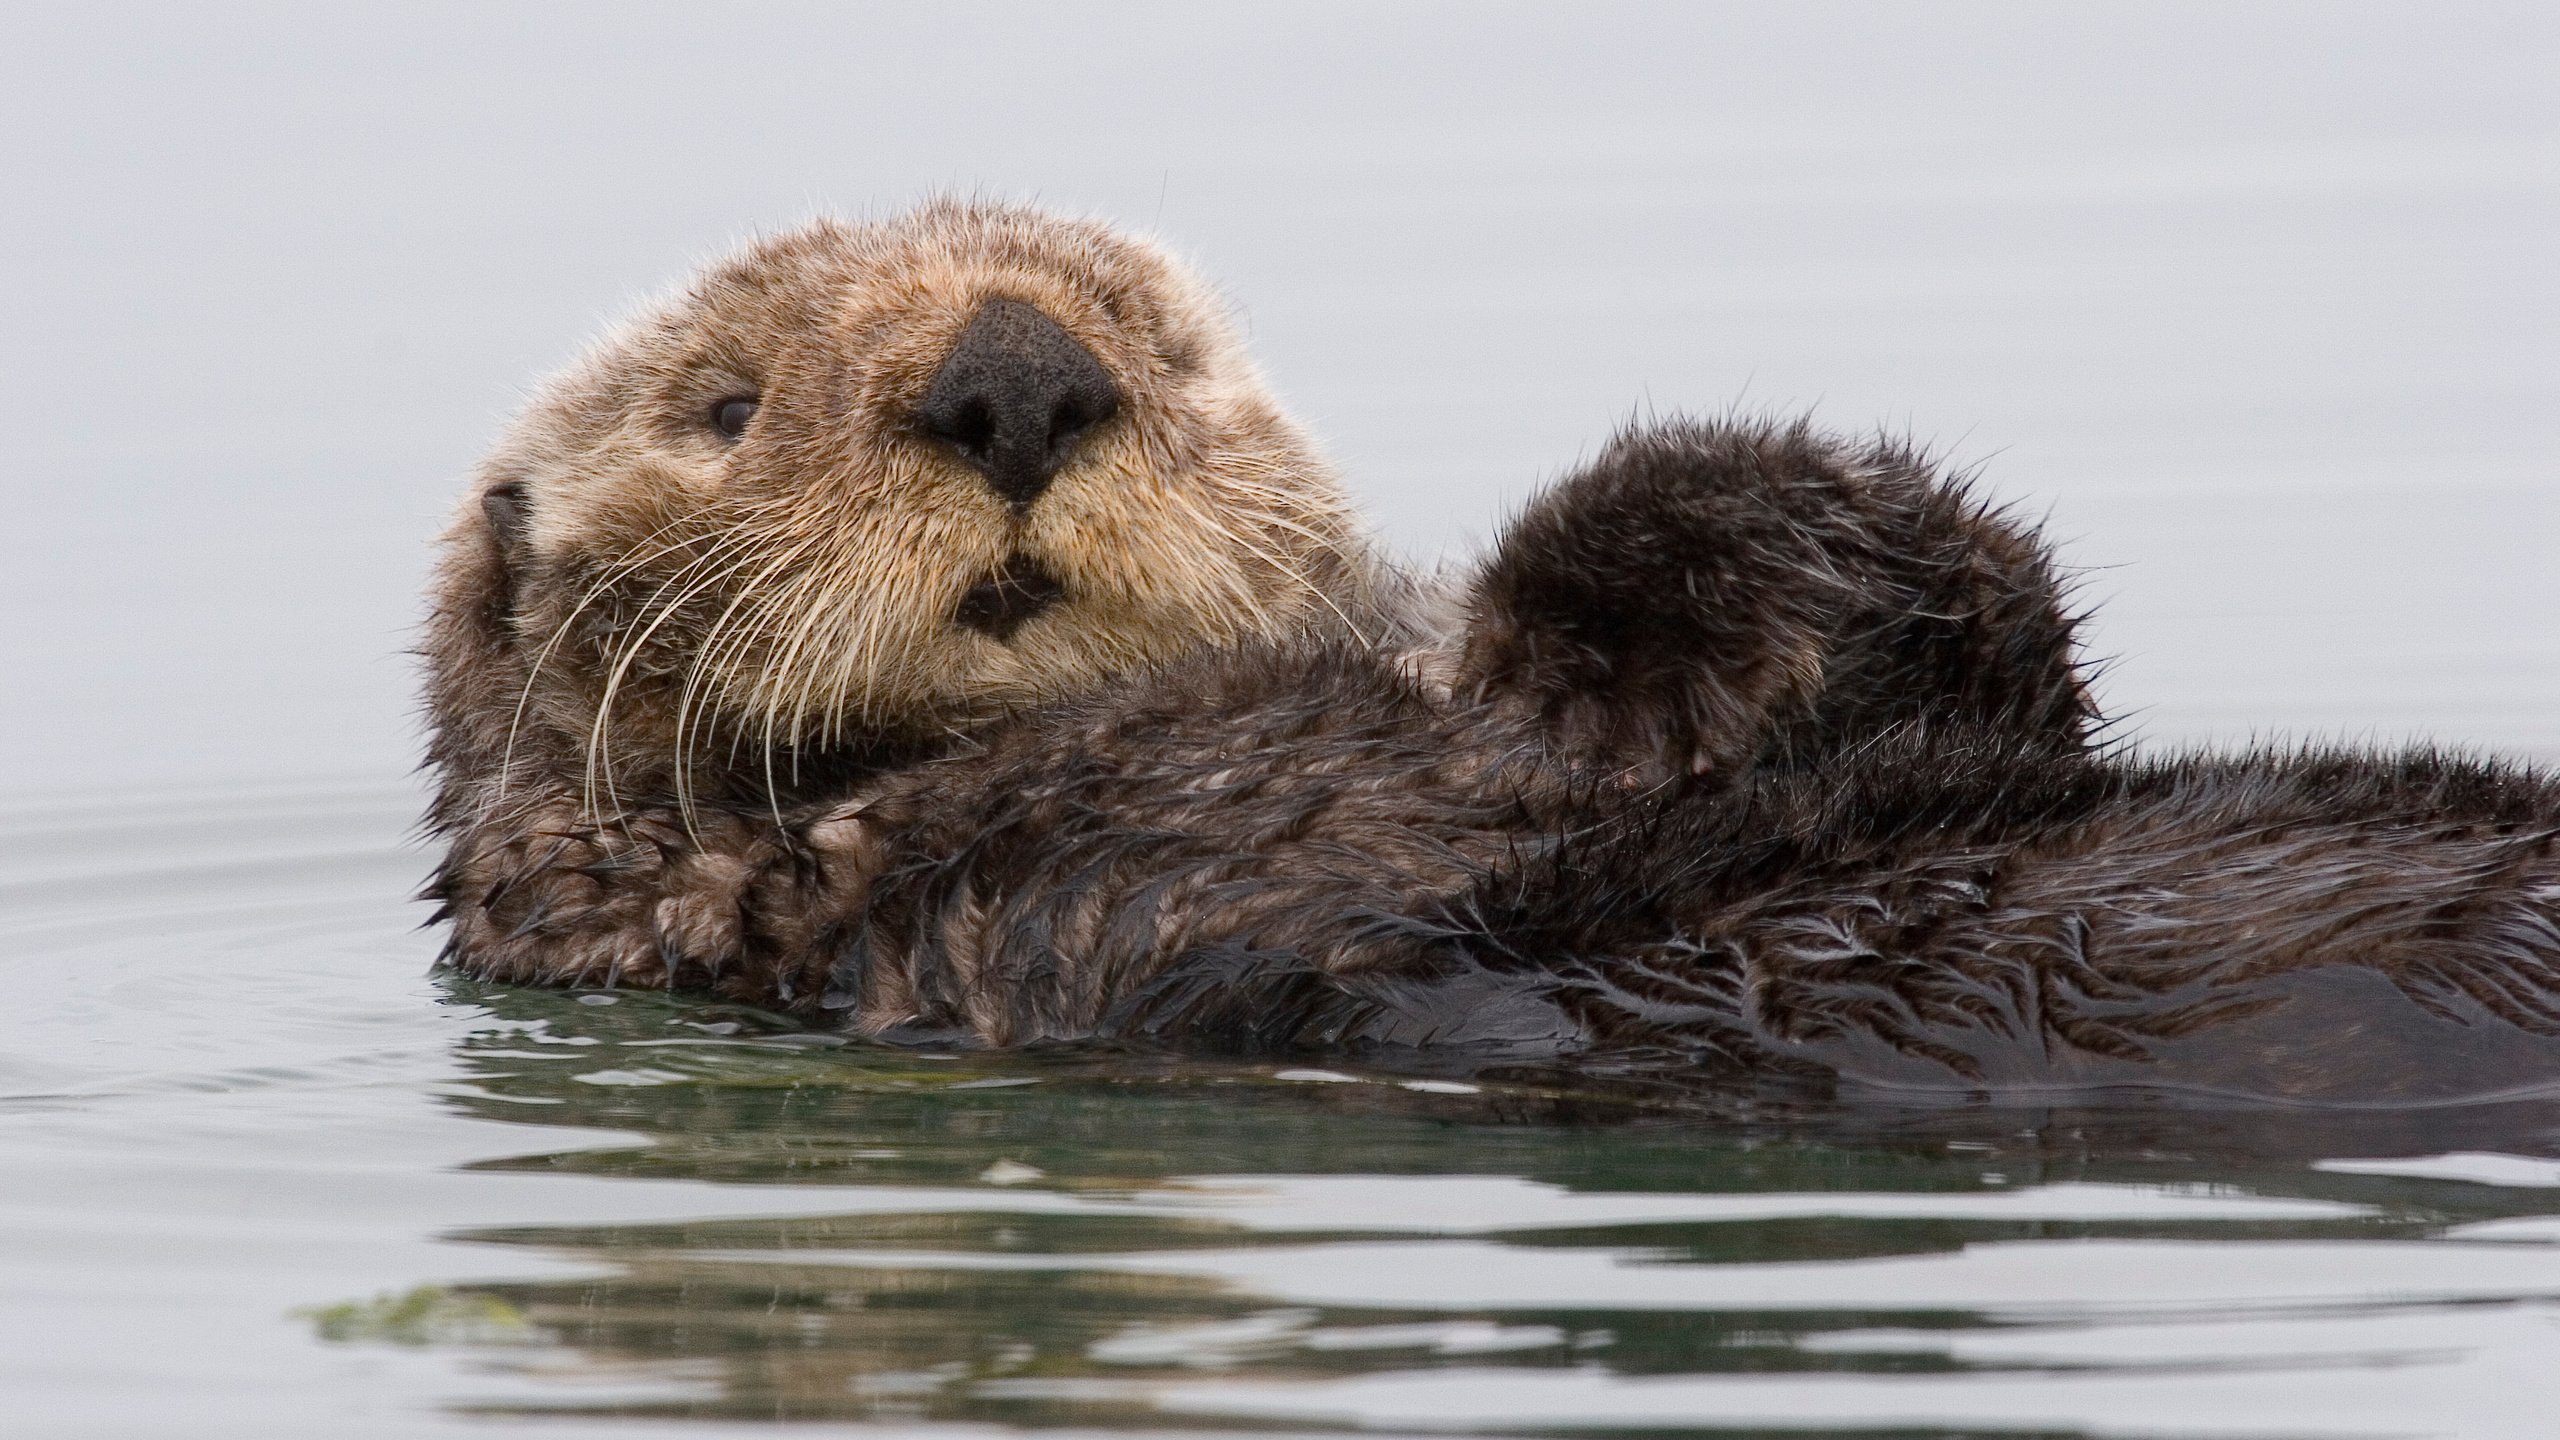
point(1656, 610)
point(700, 920)
point(555, 906)
point(637, 904)
point(815, 877)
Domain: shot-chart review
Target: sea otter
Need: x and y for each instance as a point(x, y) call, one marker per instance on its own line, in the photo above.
point(850, 493)
point(932, 628)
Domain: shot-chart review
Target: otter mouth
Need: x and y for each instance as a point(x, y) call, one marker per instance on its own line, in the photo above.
point(1007, 600)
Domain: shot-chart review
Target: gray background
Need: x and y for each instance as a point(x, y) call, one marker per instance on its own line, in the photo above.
point(2257, 302)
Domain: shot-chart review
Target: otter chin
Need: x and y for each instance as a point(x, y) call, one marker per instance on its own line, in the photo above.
point(1021, 591)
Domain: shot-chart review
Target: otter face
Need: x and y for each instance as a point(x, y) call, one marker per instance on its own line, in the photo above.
point(867, 481)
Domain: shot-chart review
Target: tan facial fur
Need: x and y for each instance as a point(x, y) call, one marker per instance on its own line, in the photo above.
point(653, 605)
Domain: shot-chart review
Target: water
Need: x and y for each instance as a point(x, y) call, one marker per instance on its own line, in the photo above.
point(2257, 306)
point(295, 1185)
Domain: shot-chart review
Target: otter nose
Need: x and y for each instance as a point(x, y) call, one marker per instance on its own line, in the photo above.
point(1015, 396)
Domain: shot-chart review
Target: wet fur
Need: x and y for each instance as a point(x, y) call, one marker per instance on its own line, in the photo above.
point(1914, 872)
point(1703, 604)
point(1704, 597)
point(1747, 751)
point(1938, 907)
point(649, 644)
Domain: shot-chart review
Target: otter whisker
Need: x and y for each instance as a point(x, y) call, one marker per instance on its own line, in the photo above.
point(710, 661)
point(812, 607)
point(868, 639)
point(627, 563)
point(762, 630)
point(1298, 495)
point(623, 565)
point(1288, 571)
point(599, 745)
point(720, 550)
point(744, 625)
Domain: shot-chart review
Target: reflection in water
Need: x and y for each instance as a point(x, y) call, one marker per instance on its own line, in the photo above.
point(2260, 309)
point(1120, 1241)
point(254, 1154)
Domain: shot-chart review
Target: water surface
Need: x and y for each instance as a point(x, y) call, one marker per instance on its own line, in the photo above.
point(2256, 303)
point(295, 1182)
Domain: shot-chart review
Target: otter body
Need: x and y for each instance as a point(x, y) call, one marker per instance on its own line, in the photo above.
point(1938, 910)
point(933, 629)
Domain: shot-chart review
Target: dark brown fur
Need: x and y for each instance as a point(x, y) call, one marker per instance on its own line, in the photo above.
point(1750, 752)
point(1314, 803)
point(657, 651)
point(1936, 908)
point(1710, 596)
point(1910, 874)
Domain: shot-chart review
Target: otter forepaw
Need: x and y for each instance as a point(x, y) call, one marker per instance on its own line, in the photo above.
point(815, 876)
point(639, 904)
point(553, 906)
point(1655, 609)
point(700, 922)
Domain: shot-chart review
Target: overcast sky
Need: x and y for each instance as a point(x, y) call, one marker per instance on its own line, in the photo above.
point(2258, 301)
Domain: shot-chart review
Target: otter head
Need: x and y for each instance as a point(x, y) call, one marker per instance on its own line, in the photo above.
point(862, 484)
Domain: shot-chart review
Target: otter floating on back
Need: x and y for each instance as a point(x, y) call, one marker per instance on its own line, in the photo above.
point(934, 628)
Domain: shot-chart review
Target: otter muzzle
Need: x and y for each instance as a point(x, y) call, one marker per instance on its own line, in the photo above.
point(1016, 395)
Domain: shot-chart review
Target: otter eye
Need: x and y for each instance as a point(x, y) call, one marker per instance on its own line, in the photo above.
point(729, 416)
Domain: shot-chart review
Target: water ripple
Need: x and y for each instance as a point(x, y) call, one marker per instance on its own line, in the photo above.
point(235, 1097)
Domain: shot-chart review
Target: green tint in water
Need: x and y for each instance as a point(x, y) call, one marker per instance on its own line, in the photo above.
point(264, 1178)
point(2260, 309)
point(1120, 1241)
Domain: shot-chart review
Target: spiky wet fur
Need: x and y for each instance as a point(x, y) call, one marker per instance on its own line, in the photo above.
point(1748, 749)
point(1936, 907)
point(649, 642)
point(1613, 838)
point(1708, 596)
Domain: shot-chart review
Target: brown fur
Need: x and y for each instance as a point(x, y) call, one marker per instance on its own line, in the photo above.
point(646, 635)
point(1749, 750)
point(1705, 597)
point(1702, 605)
point(1302, 851)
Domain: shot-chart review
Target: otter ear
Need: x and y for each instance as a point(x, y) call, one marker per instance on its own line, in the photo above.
point(505, 508)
